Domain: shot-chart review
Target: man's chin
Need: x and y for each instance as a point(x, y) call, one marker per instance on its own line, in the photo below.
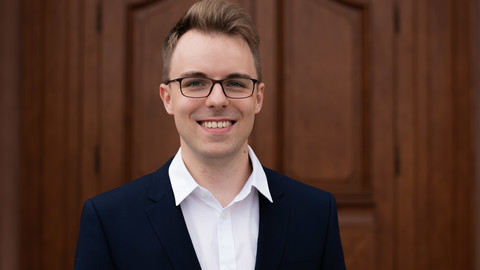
point(219, 151)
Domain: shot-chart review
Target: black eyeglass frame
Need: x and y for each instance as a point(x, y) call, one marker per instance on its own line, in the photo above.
point(179, 80)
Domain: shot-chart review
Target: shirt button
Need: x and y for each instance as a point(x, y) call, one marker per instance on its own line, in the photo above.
point(224, 216)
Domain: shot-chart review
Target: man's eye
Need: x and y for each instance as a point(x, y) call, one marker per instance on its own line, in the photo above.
point(194, 83)
point(235, 84)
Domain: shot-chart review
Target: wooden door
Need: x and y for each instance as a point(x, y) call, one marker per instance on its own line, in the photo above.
point(354, 104)
point(335, 115)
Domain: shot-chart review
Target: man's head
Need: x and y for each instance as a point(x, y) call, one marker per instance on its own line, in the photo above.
point(212, 87)
point(213, 17)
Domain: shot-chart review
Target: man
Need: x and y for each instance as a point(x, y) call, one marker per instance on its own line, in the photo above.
point(213, 206)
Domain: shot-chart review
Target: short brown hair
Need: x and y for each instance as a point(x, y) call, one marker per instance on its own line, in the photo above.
point(213, 16)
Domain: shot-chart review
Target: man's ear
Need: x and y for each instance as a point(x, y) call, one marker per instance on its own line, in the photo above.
point(259, 97)
point(166, 97)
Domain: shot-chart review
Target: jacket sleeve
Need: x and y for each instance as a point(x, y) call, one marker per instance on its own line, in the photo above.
point(93, 251)
point(333, 258)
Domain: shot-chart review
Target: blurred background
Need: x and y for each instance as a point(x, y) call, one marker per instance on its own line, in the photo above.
point(376, 101)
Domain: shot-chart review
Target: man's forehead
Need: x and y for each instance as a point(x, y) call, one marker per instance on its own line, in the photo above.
point(199, 52)
point(209, 38)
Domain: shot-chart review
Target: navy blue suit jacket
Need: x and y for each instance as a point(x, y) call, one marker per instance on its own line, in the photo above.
point(137, 226)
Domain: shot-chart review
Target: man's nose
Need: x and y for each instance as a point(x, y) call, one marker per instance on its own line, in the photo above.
point(217, 97)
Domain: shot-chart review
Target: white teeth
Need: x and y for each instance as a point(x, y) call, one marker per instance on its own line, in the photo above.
point(217, 125)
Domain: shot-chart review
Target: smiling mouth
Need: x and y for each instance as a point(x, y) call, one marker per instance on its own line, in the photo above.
point(216, 124)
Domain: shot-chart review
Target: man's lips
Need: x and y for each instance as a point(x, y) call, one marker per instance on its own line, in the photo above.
point(212, 124)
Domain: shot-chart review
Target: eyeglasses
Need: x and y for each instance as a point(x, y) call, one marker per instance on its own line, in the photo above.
point(199, 87)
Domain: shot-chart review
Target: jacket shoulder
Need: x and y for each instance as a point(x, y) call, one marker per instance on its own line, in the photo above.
point(136, 191)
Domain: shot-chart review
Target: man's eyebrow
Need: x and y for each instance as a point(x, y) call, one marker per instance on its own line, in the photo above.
point(237, 75)
point(193, 74)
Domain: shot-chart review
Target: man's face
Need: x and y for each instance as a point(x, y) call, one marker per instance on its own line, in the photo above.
point(216, 56)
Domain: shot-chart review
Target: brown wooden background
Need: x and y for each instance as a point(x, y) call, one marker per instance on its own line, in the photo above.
point(373, 100)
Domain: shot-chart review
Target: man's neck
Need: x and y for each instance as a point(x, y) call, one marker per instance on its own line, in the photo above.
point(224, 176)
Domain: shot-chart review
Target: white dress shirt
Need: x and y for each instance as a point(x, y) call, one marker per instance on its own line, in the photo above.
point(223, 238)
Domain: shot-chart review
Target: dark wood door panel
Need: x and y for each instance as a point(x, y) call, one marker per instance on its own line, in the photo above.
point(337, 115)
point(326, 95)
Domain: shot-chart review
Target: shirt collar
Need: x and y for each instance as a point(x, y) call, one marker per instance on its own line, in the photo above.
point(258, 176)
point(183, 183)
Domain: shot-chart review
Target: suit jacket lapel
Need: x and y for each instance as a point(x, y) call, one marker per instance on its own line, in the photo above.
point(272, 229)
point(169, 224)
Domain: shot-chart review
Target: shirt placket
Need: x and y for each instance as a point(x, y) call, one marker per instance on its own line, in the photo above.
point(226, 246)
